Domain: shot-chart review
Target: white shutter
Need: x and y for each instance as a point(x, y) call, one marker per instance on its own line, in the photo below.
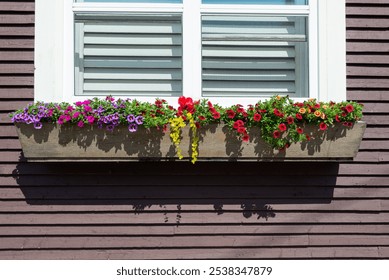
point(137, 55)
point(254, 55)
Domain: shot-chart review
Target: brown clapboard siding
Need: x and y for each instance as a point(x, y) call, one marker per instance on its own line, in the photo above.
point(170, 210)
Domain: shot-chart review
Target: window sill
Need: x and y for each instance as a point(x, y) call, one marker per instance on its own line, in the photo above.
point(71, 143)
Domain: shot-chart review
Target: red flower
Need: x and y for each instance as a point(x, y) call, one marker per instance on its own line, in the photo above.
point(307, 137)
point(197, 125)
point(337, 118)
point(216, 115)
point(344, 114)
point(277, 112)
point(257, 117)
point(300, 130)
point(282, 127)
point(242, 130)
point(230, 114)
point(240, 110)
point(299, 116)
point(323, 126)
point(210, 104)
point(186, 103)
point(276, 134)
point(349, 108)
point(201, 118)
point(317, 105)
point(212, 110)
point(290, 120)
point(262, 111)
point(238, 124)
point(245, 138)
point(244, 114)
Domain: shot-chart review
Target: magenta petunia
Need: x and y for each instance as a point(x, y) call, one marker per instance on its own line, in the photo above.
point(91, 119)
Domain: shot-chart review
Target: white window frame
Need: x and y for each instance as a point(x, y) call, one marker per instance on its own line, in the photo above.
point(54, 45)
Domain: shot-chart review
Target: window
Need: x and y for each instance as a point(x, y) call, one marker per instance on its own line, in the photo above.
point(225, 50)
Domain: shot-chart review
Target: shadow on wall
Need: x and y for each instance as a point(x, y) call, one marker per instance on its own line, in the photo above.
point(176, 189)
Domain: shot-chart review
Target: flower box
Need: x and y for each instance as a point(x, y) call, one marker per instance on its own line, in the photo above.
point(216, 142)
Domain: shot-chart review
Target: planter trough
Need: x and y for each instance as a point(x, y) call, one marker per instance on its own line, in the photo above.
point(217, 142)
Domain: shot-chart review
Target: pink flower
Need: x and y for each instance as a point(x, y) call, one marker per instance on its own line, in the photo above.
point(91, 119)
point(80, 124)
point(87, 108)
point(76, 115)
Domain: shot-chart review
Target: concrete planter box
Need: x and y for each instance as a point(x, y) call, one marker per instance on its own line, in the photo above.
point(71, 143)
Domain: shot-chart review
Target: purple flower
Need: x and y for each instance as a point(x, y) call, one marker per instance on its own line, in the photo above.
point(80, 124)
point(36, 119)
point(110, 127)
point(139, 120)
point(38, 125)
point(130, 118)
point(133, 127)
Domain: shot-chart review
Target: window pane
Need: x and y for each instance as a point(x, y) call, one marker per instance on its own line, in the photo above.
point(130, 55)
point(254, 55)
point(132, 1)
point(258, 2)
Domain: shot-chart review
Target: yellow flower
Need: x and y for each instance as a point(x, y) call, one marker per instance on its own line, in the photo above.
point(317, 114)
point(278, 97)
point(302, 111)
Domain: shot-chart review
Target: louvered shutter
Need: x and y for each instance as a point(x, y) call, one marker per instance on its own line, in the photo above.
point(136, 55)
point(245, 55)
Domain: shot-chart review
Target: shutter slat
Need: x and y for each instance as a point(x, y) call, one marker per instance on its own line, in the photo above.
point(219, 51)
point(126, 62)
point(132, 74)
point(245, 75)
point(134, 27)
point(132, 51)
point(131, 85)
point(126, 39)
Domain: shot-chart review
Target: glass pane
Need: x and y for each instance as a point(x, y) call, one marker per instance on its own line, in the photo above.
point(131, 1)
point(254, 55)
point(258, 2)
point(139, 55)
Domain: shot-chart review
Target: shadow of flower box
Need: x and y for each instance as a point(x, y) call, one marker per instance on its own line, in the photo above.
point(217, 142)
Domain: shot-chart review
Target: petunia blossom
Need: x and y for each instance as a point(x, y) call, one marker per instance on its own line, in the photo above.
point(282, 127)
point(323, 126)
point(133, 127)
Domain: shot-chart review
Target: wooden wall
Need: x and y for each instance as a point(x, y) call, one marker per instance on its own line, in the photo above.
point(210, 210)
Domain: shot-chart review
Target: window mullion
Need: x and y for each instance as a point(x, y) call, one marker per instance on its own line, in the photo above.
point(192, 48)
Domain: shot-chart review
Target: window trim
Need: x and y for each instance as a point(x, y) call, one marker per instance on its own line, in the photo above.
point(54, 74)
